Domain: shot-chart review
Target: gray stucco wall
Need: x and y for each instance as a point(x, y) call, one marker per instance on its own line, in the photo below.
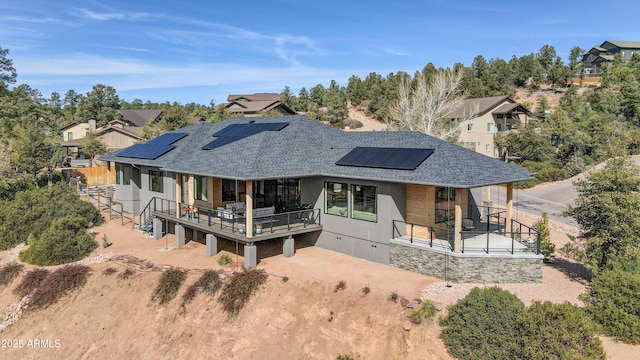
point(466, 268)
point(359, 238)
point(136, 196)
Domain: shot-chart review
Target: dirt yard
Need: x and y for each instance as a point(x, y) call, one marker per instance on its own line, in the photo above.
point(303, 317)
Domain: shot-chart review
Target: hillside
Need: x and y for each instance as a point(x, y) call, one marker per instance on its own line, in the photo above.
point(304, 317)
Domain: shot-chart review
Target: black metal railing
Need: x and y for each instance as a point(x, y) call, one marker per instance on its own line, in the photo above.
point(226, 220)
point(433, 232)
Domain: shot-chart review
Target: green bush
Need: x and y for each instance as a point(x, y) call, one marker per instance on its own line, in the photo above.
point(66, 240)
point(614, 302)
point(483, 325)
point(168, 286)
point(224, 259)
point(426, 310)
point(33, 211)
point(240, 288)
point(544, 172)
point(547, 248)
point(557, 331)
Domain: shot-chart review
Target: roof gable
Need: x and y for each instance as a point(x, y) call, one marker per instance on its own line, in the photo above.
point(140, 117)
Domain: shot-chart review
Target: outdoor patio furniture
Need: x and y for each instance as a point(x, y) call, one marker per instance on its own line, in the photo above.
point(468, 225)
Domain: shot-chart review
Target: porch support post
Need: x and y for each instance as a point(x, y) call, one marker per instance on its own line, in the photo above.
point(212, 245)
point(288, 247)
point(249, 210)
point(457, 228)
point(250, 256)
point(180, 236)
point(508, 207)
point(157, 229)
point(178, 188)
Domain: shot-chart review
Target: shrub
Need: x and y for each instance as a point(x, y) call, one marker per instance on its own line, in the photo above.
point(239, 290)
point(557, 331)
point(126, 274)
point(109, 271)
point(105, 242)
point(33, 211)
point(57, 284)
point(224, 259)
point(341, 285)
point(10, 271)
point(547, 248)
point(483, 325)
point(66, 240)
point(613, 301)
point(168, 286)
point(31, 281)
point(393, 296)
point(366, 290)
point(209, 283)
point(425, 310)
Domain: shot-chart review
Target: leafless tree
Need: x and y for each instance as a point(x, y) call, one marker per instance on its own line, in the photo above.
point(433, 105)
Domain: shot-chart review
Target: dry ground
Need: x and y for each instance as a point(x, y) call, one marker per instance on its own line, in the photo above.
point(301, 318)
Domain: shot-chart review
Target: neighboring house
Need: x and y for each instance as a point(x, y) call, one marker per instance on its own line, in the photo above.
point(603, 54)
point(399, 198)
point(257, 104)
point(116, 136)
point(492, 115)
point(140, 118)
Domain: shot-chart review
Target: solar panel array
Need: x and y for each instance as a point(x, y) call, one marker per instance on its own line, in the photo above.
point(235, 132)
point(153, 148)
point(385, 158)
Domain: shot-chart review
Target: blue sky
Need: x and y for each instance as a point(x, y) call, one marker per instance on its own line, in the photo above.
point(197, 51)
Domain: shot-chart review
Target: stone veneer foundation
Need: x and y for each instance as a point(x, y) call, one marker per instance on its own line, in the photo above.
point(466, 268)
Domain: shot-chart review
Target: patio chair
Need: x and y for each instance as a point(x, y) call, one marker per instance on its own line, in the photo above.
point(468, 224)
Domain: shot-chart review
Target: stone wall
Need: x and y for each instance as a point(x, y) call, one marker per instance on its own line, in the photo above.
point(466, 268)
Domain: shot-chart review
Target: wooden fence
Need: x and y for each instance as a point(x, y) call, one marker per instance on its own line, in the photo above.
point(93, 175)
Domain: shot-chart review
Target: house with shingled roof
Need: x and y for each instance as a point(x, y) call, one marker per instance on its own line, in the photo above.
point(491, 115)
point(400, 198)
point(257, 104)
point(597, 56)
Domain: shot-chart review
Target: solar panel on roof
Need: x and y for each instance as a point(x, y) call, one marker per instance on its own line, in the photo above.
point(146, 151)
point(385, 158)
point(235, 132)
point(167, 139)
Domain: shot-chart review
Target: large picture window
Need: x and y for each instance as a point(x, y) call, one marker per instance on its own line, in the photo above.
point(228, 190)
point(335, 198)
point(155, 181)
point(445, 204)
point(200, 187)
point(363, 202)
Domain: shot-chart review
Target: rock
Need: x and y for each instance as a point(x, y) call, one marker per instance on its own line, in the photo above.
point(437, 306)
point(412, 304)
point(403, 302)
point(407, 325)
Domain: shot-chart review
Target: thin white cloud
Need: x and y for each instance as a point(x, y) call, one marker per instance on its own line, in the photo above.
point(109, 16)
point(396, 52)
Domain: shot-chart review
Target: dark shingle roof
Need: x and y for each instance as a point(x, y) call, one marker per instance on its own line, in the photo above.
point(140, 117)
point(309, 148)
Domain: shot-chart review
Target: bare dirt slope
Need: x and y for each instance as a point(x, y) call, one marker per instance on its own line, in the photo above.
point(112, 318)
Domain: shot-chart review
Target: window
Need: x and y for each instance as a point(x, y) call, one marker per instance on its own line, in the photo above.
point(69, 135)
point(228, 190)
point(118, 173)
point(155, 181)
point(499, 127)
point(126, 175)
point(363, 201)
point(490, 127)
point(335, 198)
point(445, 204)
point(487, 147)
point(469, 127)
point(200, 187)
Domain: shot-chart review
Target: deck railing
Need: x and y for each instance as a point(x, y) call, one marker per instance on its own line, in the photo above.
point(228, 221)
